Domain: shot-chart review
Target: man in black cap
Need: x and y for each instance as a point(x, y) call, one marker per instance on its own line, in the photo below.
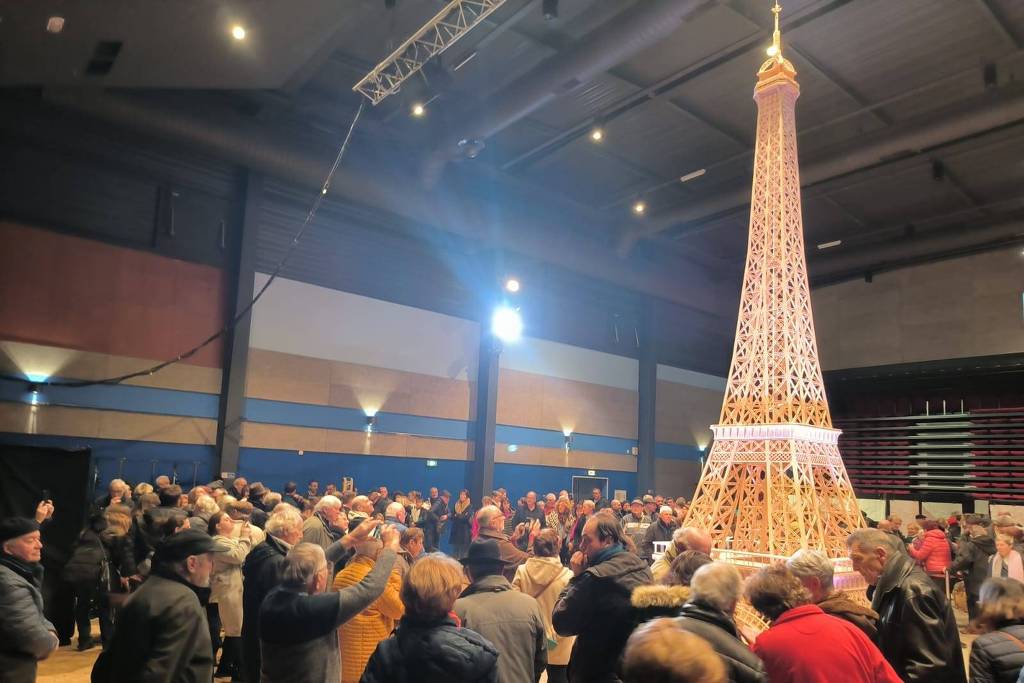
point(509, 619)
point(26, 636)
point(162, 634)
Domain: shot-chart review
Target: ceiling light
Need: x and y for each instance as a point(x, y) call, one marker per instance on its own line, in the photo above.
point(55, 25)
point(692, 174)
point(639, 207)
point(829, 245)
point(238, 32)
point(418, 109)
point(772, 51)
point(597, 134)
point(512, 285)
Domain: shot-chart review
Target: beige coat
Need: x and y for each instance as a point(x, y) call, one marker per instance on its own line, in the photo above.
point(531, 578)
point(226, 582)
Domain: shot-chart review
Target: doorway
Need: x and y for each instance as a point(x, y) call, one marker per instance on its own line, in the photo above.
point(582, 487)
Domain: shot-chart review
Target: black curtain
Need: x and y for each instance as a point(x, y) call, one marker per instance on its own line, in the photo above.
point(27, 476)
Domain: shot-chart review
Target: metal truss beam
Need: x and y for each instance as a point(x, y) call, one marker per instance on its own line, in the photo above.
point(454, 21)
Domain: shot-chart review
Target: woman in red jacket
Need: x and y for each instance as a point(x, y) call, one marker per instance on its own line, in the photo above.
point(933, 554)
point(805, 645)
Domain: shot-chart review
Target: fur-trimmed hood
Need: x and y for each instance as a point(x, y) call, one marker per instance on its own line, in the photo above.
point(660, 596)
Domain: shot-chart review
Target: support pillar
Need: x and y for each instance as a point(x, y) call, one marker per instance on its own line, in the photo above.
point(231, 411)
point(647, 388)
point(481, 474)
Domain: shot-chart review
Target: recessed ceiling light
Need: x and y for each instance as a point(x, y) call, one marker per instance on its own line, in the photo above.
point(238, 32)
point(55, 24)
point(512, 285)
point(418, 109)
point(640, 207)
point(597, 134)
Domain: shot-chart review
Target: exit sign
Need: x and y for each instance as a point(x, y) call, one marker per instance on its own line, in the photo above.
point(431, 463)
point(591, 473)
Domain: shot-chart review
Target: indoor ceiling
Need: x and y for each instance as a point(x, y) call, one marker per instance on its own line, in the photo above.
point(911, 128)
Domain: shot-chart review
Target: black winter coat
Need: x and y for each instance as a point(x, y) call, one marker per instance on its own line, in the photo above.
point(917, 632)
point(261, 572)
point(972, 559)
point(996, 657)
point(713, 626)
point(595, 607)
point(432, 652)
point(461, 526)
point(161, 636)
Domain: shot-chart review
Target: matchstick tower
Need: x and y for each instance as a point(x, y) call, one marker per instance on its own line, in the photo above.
point(774, 481)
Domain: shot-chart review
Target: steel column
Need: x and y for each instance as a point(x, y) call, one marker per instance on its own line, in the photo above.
point(231, 410)
point(647, 387)
point(481, 470)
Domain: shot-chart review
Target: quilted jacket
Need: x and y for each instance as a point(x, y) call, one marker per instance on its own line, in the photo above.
point(358, 637)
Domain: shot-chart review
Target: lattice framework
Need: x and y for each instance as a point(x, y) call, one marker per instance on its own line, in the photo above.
point(455, 20)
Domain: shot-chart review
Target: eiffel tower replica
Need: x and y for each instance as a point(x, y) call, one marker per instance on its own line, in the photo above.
point(774, 482)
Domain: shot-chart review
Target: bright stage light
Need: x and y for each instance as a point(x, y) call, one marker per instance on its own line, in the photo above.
point(512, 285)
point(507, 324)
point(597, 134)
point(238, 32)
point(418, 109)
point(639, 208)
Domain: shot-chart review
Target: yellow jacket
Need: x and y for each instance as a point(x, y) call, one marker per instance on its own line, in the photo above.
point(359, 636)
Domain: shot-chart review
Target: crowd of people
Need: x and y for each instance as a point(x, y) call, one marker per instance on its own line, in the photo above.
point(234, 580)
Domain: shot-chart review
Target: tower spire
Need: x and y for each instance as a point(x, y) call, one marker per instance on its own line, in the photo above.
point(776, 48)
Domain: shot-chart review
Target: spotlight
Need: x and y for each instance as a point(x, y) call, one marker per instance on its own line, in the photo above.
point(702, 447)
point(418, 109)
point(507, 324)
point(55, 25)
point(772, 51)
point(568, 442)
point(597, 134)
point(550, 9)
point(512, 285)
point(238, 32)
point(371, 422)
point(639, 207)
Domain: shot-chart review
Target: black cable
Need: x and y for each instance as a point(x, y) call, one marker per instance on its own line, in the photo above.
point(245, 311)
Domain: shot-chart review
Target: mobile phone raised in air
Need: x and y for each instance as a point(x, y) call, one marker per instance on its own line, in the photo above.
point(46, 495)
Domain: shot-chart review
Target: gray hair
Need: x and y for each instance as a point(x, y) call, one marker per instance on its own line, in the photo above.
point(393, 509)
point(327, 502)
point(588, 503)
point(807, 563)
point(283, 520)
point(678, 536)
point(361, 504)
point(270, 500)
point(717, 584)
point(302, 563)
point(870, 540)
point(486, 515)
point(207, 505)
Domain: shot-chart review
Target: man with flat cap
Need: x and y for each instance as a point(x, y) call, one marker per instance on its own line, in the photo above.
point(509, 619)
point(26, 636)
point(162, 634)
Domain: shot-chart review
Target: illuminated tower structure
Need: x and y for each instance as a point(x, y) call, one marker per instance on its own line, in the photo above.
point(774, 481)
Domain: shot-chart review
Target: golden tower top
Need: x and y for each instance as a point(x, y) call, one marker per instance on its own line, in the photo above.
point(775, 377)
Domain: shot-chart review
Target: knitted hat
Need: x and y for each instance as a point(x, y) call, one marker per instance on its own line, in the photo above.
point(13, 527)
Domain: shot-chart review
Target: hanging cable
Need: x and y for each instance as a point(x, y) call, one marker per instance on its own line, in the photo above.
point(248, 307)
